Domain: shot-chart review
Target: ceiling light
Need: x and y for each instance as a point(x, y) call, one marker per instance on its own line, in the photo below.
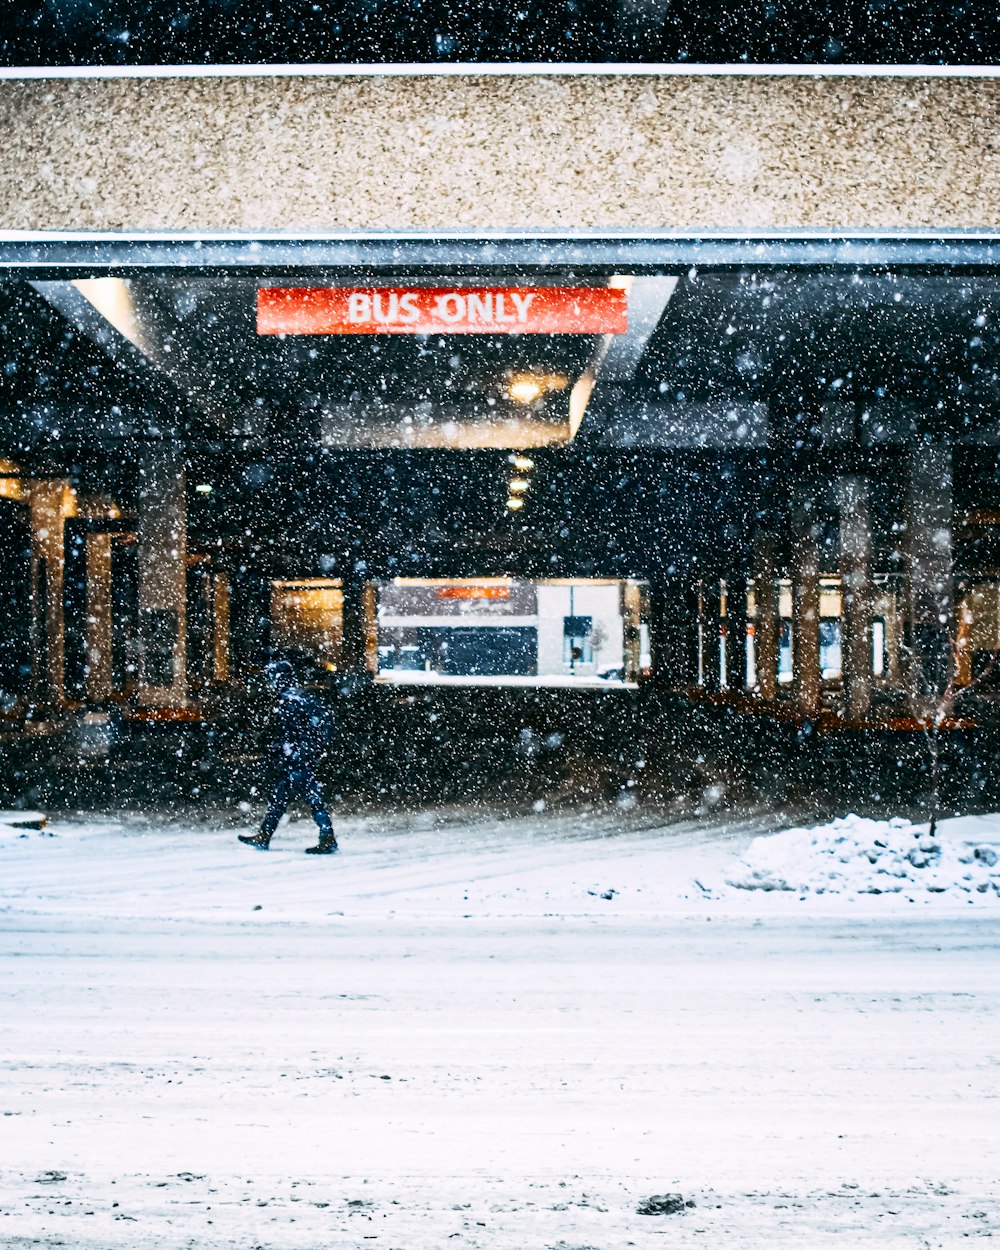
point(513, 503)
point(523, 463)
point(532, 384)
point(518, 484)
point(525, 390)
point(203, 488)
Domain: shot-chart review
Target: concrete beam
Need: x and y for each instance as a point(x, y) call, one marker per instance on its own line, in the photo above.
point(434, 152)
point(617, 356)
point(620, 421)
point(135, 331)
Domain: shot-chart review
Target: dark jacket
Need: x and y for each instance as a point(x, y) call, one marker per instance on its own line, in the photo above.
point(300, 730)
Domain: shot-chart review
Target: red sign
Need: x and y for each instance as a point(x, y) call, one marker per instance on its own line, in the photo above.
point(473, 592)
point(442, 310)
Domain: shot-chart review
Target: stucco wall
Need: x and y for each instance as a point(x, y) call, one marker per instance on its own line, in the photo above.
point(313, 153)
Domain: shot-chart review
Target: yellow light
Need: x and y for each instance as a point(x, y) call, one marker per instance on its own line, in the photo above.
point(513, 503)
point(518, 484)
point(525, 390)
point(522, 462)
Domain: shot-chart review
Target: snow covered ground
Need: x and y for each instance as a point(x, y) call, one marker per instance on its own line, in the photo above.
point(854, 856)
point(498, 1034)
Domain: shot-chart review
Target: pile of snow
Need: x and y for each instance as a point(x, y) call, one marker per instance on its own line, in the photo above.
point(857, 856)
point(10, 819)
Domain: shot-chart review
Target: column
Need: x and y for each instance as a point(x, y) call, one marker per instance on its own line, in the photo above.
point(969, 606)
point(353, 637)
point(16, 654)
point(249, 622)
point(674, 604)
point(766, 624)
point(856, 597)
point(220, 627)
point(890, 610)
point(710, 619)
point(370, 607)
point(736, 633)
point(630, 609)
point(50, 502)
point(162, 532)
point(930, 566)
point(805, 610)
point(99, 618)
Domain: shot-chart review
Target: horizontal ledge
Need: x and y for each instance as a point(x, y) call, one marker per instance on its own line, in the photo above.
point(500, 69)
point(59, 255)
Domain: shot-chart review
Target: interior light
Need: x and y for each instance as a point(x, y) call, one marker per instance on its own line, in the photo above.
point(523, 463)
point(525, 390)
point(514, 502)
point(518, 484)
point(203, 488)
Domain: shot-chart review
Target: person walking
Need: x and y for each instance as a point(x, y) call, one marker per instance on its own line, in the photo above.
point(300, 731)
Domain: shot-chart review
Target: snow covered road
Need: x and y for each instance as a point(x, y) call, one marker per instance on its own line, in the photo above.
point(454, 1037)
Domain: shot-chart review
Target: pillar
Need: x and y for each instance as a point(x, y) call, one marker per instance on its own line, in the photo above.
point(50, 503)
point(766, 624)
point(856, 597)
point(354, 630)
point(15, 586)
point(709, 613)
point(631, 613)
point(249, 622)
point(969, 606)
point(162, 533)
point(930, 566)
point(890, 610)
point(220, 627)
point(674, 606)
point(370, 605)
point(805, 610)
point(736, 633)
point(100, 625)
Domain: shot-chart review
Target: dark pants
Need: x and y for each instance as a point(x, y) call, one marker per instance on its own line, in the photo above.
point(292, 782)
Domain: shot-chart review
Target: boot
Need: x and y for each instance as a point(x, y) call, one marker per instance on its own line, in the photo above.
point(327, 845)
point(259, 840)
